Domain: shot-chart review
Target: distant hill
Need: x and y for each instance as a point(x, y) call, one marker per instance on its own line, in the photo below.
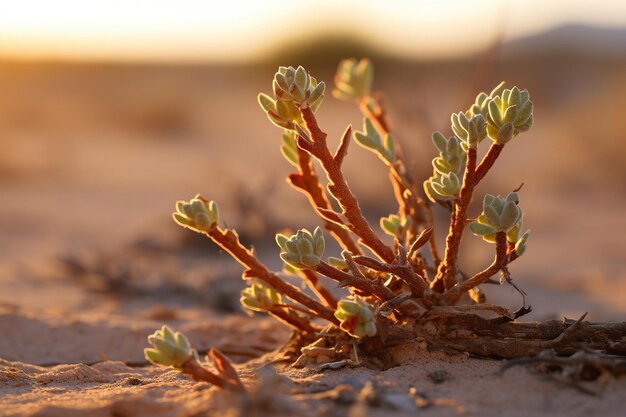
point(571, 39)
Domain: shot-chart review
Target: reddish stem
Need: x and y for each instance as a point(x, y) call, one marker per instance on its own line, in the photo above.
point(375, 288)
point(448, 268)
point(292, 320)
point(338, 187)
point(308, 183)
point(488, 160)
point(451, 296)
point(447, 271)
point(416, 283)
point(201, 374)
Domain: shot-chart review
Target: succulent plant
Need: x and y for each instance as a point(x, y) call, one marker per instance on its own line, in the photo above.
point(303, 250)
point(294, 89)
point(356, 317)
point(260, 297)
point(470, 129)
point(408, 280)
point(499, 215)
point(451, 154)
point(354, 79)
point(442, 186)
point(169, 348)
point(197, 214)
point(509, 113)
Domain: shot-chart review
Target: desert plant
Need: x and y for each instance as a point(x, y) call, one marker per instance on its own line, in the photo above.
point(407, 290)
point(172, 349)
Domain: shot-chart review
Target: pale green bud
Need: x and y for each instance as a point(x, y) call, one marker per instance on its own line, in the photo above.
point(508, 112)
point(429, 191)
point(393, 225)
point(197, 214)
point(470, 129)
point(514, 234)
point(293, 89)
point(353, 80)
point(511, 214)
point(446, 185)
point(168, 348)
point(259, 297)
point(451, 155)
point(499, 215)
point(296, 85)
point(303, 250)
point(356, 317)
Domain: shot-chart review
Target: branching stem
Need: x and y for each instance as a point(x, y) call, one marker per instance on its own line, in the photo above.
point(368, 286)
point(339, 189)
point(447, 272)
point(229, 241)
point(416, 283)
point(307, 182)
point(452, 295)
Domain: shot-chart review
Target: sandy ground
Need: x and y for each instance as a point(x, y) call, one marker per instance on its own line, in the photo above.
point(90, 262)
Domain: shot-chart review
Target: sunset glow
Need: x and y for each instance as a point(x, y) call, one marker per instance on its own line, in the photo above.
point(242, 30)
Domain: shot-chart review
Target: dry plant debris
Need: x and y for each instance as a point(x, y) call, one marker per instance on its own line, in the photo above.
point(394, 294)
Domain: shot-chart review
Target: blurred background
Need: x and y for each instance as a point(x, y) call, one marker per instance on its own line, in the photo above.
point(112, 111)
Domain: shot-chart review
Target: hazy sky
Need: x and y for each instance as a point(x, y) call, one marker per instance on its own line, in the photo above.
point(241, 30)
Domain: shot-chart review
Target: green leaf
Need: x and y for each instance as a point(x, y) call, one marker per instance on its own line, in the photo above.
point(301, 79)
point(266, 102)
point(505, 133)
point(366, 141)
point(481, 229)
point(510, 215)
point(281, 241)
point(524, 113)
point(494, 113)
point(440, 141)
